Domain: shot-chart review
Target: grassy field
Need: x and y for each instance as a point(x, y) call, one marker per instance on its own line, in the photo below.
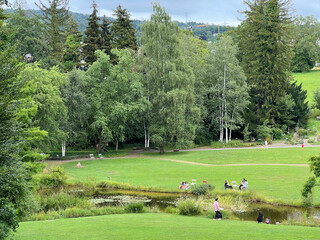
point(310, 82)
point(277, 182)
point(275, 155)
point(158, 226)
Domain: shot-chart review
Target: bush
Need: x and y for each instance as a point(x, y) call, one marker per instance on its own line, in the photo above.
point(172, 210)
point(276, 133)
point(189, 208)
point(311, 140)
point(302, 132)
point(56, 177)
point(62, 201)
point(8, 219)
point(202, 189)
point(135, 207)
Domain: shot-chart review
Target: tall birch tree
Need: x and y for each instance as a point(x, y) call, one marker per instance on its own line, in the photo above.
point(171, 83)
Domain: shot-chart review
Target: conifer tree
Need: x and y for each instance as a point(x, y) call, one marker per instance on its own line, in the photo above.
point(265, 41)
point(169, 81)
point(123, 32)
point(55, 17)
point(71, 53)
point(93, 40)
point(106, 35)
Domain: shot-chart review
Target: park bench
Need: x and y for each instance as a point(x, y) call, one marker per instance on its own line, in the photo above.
point(91, 156)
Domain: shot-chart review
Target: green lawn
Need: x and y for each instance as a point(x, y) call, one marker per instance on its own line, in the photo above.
point(284, 182)
point(275, 155)
point(310, 82)
point(158, 226)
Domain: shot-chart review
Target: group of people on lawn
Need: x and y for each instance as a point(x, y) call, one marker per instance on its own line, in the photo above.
point(243, 185)
point(184, 185)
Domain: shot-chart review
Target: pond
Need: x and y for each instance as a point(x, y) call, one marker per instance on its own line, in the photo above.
point(163, 200)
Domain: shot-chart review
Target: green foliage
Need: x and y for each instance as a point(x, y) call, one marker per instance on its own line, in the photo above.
point(172, 210)
point(263, 131)
point(306, 48)
point(265, 43)
point(169, 83)
point(93, 38)
point(316, 98)
point(308, 186)
point(276, 133)
point(300, 108)
point(246, 133)
point(123, 32)
point(8, 219)
point(302, 132)
point(62, 201)
point(202, 189)
point(134, 207)
point(226, 96)
point(188, 207)
point(55, 17)
point(56, 177)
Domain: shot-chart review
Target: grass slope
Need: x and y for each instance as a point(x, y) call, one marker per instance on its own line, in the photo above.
point(242, 156)
point(310, 82)
point(284, 182)
point(158, 226)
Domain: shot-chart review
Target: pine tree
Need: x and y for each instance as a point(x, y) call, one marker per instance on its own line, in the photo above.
point(93, 40)
point(55, 16)
point(123, 32)
point(170, 83)
point(71, 53)
point(265, 41)
point(106, 35)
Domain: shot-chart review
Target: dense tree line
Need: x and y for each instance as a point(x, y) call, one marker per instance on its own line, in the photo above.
point(172, 91)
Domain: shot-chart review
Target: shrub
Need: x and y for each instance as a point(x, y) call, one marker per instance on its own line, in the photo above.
point(56, 177)
point(311, 140)
point(189, 208)
point(134, 207)
point(202, 189)
point(276, 133)
point(8, 219)
point(302, 132)
point(62, 201)
point(172, 210)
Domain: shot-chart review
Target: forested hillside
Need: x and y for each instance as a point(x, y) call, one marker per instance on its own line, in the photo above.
point(203, 31)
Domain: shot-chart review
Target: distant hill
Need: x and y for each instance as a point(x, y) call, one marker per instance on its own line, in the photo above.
point(203, 31)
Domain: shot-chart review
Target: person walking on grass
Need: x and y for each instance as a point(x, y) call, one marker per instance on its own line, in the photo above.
point(216, 209)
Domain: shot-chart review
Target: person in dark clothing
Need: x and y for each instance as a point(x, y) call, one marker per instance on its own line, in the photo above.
point(226, 185)
point(260, 217)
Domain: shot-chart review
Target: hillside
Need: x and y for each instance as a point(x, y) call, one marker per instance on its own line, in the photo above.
point(201, 30)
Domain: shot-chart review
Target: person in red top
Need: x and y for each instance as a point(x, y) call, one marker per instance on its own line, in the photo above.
point(302, 146)
point(216, 209)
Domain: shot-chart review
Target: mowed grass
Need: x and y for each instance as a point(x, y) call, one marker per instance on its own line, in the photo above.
point(158, 226)
point(244, 156)
point(310, 82)
point(277, 182)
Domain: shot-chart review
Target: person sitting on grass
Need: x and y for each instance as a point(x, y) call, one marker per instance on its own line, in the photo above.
point(227, 185)
point(242, 184)
point(268, 220)
point(260, 217)
point(186, 185)
point(245, 185)
point(181, 185)
point(79, 165)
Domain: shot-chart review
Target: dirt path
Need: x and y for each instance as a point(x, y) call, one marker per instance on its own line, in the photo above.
point(55, 163)
point(229, 165)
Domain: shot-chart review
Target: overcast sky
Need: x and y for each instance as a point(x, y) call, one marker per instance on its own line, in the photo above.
point(206, 11)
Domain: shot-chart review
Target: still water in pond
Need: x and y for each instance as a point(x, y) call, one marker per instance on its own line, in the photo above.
point(275, 213)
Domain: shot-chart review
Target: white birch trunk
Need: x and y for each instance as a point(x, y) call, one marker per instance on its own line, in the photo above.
point(145, 136)
point(224, 97)
point(148, 142)
point(63, 148)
